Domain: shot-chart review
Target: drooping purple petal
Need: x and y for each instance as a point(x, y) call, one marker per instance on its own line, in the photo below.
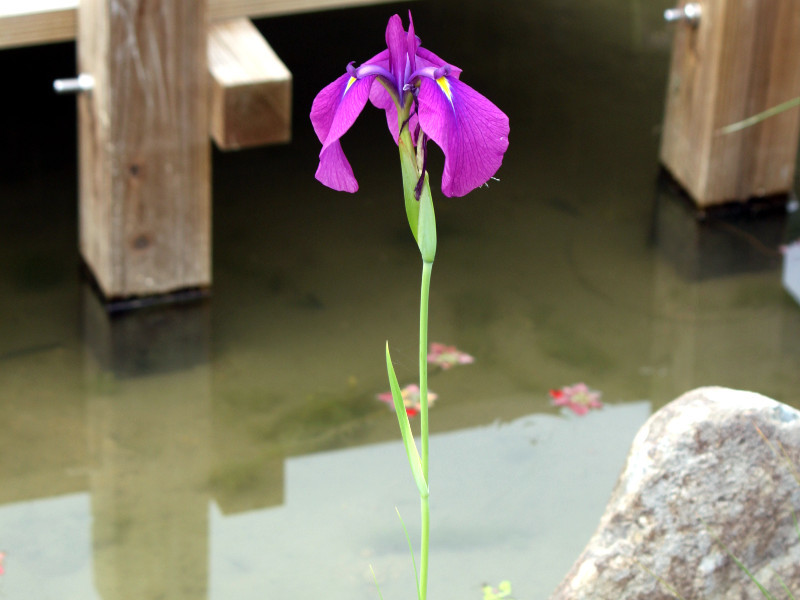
point(354, 95)
point(334, 170)
point(325, 104)
point(333, 112)
point(471, 131)
point(325, 110)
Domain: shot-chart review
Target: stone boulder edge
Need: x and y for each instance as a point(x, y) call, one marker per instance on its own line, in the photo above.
point(698, 467)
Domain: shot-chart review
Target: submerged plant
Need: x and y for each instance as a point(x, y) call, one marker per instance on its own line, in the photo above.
point(411, 399)
point(503, 591)
point(444, 356)
point(579, 398)
point(424, 99)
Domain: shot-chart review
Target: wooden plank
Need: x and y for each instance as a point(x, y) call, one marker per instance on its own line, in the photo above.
point(145, 206)
point(251, 89)
point(742, 58)
point(226, 9)
point(29, 22)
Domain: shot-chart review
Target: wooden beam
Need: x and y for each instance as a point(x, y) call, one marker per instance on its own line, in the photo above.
point(30, 22)
point(226, 9)
point(251, 89)
point(145, 198)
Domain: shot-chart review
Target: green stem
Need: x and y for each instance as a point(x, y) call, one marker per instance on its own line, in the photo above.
point(423, 398)
point(423, 362)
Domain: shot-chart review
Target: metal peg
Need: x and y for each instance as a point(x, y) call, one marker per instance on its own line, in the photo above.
point(73, 85)
point(689, 12)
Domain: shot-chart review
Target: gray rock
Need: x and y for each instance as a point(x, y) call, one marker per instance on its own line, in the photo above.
point(700, 470)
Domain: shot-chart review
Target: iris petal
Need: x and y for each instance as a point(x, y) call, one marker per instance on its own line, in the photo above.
point(333, 112)
point(398, 50)
point(334, 170)
point(426, 58)
point(412, 43)
point(471, 131)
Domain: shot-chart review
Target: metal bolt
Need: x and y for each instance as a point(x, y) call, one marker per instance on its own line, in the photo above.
point(689, 12)
point(73, 85)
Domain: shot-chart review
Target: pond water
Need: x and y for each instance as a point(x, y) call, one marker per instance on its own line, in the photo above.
point(233, 448)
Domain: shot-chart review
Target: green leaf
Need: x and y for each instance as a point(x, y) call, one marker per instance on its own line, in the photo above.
point(426, 231)
point(408, 164)
point(405, 429)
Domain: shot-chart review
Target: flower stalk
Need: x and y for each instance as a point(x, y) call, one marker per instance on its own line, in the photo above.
point(421, 220)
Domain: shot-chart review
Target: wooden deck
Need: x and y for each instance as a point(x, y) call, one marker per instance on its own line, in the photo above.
point(31, 22)
point(144, 152)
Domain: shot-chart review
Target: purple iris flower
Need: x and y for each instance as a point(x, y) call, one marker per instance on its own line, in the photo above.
point(420, 91)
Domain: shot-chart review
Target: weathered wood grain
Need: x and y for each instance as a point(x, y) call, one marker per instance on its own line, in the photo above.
point(27, 22)
point(742, 58)
point(145, 207)
point(251, 89)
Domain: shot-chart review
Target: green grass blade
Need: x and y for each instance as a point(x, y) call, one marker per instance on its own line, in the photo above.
point(405, 429)
point(782, 454)
point(670, 588)
point(740, 564)
point(755, 119)
point(785, 587)
point(375, 579)
point(410, 549)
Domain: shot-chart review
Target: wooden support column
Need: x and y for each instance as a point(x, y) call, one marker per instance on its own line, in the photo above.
point(741, 58)
point(145, 207)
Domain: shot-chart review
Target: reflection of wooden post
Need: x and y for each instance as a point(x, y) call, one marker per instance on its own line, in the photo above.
point(740, 59)
point(148, 404)
point(145, 211)
point(148, 480)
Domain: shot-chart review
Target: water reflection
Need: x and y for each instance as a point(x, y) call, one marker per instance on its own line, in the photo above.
point(148, 407)
point(167, 513)
point(716, 302)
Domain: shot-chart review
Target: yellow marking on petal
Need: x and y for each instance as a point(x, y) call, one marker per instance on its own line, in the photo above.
point(351, 81)
point(445, 85)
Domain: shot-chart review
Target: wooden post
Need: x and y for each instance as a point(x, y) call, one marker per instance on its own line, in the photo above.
point(145, 207)
point(741, 58)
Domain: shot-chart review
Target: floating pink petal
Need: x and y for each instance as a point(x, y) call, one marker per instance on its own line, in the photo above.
point(2, 558)
point(411, 399)
point(445, 356)
point(579, 398)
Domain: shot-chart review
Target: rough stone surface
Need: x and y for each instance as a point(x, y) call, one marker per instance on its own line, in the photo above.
point(698, 469)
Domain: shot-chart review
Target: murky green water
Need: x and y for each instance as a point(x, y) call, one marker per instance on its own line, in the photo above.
point(234, 449)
